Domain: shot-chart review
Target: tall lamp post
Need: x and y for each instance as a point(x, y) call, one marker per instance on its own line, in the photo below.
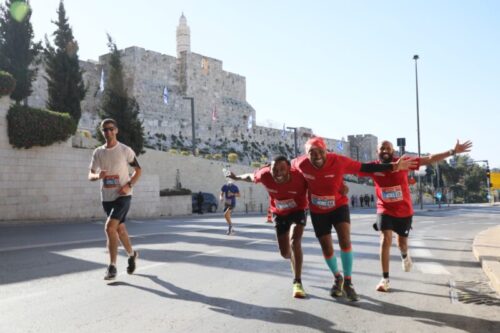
point(294, 139)
point(192, 124)
point(415, 57)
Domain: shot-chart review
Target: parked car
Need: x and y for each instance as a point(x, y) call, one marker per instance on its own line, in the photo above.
point(210, 202)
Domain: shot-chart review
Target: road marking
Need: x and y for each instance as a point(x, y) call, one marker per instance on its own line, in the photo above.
point(204, 253)
point(422, 252)
point(432, 268)
point(22, 297)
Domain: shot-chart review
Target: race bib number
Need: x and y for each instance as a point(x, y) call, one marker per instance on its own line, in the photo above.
point(392, 194)
point(323, 202)
point(285, 204)
point(228, 201)
point(111, 181)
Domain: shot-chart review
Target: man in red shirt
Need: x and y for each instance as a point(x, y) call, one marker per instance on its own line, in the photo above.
point(287, 199)
point(329, 208)
point(394, 204)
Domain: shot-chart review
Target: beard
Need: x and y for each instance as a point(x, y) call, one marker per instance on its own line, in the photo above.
point(385, 157)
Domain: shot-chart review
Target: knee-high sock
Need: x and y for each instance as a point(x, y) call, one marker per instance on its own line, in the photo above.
point(332, 264)
point(347, 257)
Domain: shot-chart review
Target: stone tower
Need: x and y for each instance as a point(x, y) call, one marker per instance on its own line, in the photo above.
point(183, 36)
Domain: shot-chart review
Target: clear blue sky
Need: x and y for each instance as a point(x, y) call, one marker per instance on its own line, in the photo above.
point(338, 67)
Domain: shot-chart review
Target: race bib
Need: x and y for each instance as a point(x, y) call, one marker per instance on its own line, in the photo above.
point(392, 194)
point(111, 181)
point(323, 202)
point(285, 204)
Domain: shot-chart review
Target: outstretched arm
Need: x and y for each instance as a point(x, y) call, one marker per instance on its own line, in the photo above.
point(246, 177)
point(404, 163)
point(459, 148)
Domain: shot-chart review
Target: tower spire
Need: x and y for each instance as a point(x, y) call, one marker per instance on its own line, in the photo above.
point(183, 36)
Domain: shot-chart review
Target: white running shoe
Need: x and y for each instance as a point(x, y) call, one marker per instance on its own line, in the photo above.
point(383, 285)
point(407, 263)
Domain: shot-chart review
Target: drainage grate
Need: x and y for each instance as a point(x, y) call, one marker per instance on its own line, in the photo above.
point(473, 293)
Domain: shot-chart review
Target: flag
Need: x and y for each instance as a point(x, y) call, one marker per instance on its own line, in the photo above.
point(340, 146)
point(165, 95)
point(101, 83)
point(283, 133)
point(250, 122)
point(214, 114)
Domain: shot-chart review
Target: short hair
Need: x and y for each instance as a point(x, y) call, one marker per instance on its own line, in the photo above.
point(281, 158)
point(109, 121)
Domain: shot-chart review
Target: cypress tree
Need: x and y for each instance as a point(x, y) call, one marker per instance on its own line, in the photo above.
point(64, 78)
point(17, 49)
point(117, 105)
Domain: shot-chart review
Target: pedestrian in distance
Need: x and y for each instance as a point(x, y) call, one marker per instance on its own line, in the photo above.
point(228, 194)
point(110, 164)
point(199, 202)
point(394, 204)
point(324, 172)
point(287, 190)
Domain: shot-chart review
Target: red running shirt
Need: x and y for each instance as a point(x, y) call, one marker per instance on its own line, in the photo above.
point(287, 197)
point(324, 184)
point(393, 192)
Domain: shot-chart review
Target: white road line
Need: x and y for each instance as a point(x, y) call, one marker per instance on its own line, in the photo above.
point(204, 253)
point(22, 297)
point(423, 266)
point(431, 268)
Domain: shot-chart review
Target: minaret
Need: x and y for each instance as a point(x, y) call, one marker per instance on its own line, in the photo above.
point(183, 36)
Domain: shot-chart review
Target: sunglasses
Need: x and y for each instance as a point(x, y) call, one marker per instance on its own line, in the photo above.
point(108, 129)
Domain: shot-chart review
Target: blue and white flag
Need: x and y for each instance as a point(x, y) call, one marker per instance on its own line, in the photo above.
point(283, 132)
point(250, 122)
point(340, 146)
point(165, 95)
point(101, 83)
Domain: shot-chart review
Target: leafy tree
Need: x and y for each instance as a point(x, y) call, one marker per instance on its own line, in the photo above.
point(117, 105)
point(64, 77)
point(17, 49)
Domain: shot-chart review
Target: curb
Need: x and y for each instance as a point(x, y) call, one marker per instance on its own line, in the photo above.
point(486, 249)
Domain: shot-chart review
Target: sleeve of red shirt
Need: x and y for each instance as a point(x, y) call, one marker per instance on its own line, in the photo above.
point(350, 166)
point(257, 176)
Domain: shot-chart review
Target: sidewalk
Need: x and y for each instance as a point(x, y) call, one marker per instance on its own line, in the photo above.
point(486, 248)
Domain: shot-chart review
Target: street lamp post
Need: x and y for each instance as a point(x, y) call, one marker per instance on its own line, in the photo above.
point(294, 140)
point(420, 198)
point(192, 124)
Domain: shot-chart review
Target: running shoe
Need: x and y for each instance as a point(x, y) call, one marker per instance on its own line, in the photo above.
point(298, 290)
point(230, 231)
point(350, 293)
point(110, 273)
point(131, 262)
point(383, 285)
point(407, 263)
point(338, 286)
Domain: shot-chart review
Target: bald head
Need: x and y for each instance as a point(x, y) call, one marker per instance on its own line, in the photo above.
point(385, 151)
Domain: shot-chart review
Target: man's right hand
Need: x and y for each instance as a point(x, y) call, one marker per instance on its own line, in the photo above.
point(102, 174)
point(406, 162)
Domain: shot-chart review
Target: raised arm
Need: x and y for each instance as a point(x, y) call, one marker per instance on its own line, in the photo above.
point(459, 148)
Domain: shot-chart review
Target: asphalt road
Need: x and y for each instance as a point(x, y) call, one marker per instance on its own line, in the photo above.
point(191, 277)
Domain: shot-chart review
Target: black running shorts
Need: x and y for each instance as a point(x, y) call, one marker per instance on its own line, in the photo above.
point(400, 225)
point(324, 222)
point(282, 223)
point(117, 209)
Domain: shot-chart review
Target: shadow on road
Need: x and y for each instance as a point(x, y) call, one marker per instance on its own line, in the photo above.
point(235, 308)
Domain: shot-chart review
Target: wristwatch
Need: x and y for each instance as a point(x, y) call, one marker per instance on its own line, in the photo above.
point(452, 152)
point(129, 184)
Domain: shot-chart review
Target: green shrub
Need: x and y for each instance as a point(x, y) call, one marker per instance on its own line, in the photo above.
point(167, 192)
point(7, 83)
point(255, 164)
point(232, 157)
point(28, 127)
